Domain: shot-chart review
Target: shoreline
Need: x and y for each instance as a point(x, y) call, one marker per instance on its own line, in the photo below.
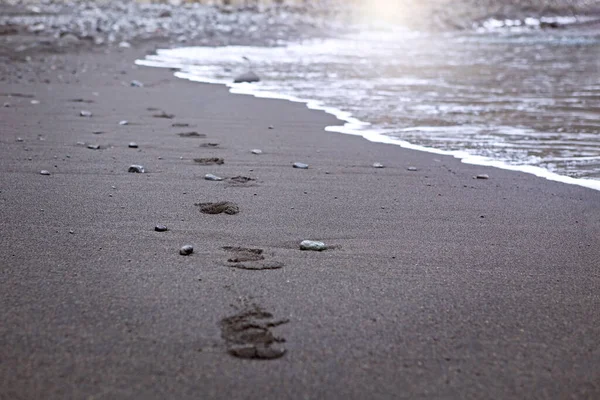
point(353, 126)
point(356, 127)
point(435, 284)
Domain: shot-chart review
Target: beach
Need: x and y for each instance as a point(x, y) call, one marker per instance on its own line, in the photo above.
point(441, 279)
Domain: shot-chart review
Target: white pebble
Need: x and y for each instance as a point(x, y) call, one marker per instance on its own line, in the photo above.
point(136, 169)
point(186, 250)
point(312, 245)
point(211, 177)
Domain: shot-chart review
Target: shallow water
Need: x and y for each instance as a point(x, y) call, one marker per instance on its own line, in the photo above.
point(504, 91)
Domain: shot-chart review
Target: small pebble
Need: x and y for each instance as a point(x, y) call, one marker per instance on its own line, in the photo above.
point(93, 146)
point(35, 102)
point(135, 83)
point(312, 245)
point(44, 172)
point(186, 250)
point(271, 127)
point(71, 231)
point(300, 165)
point(256, 151)
point(161, 228)
point(80, 143)
point(378, 165)
point(483, 176)
point(411, 169)
point(124, 122)
point(6, 105)
point(19, 139)
point(139, 169)
point(85, 113)
point(133, 145)
point(211, 177)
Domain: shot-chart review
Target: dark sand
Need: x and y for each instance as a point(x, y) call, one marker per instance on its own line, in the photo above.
point(438, 285)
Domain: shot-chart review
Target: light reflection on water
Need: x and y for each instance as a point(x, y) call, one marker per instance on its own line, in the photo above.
point(527, 97)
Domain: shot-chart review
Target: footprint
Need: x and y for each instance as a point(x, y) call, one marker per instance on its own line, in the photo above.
point(81, 101)
point(209, 161)
point(248, 334)
point(243, 254)
point(250, 259)
point(242, 181)
point(257, 265)
point(210, 145)
point(191, 135)
point(163, 114)
point(22, 95)
point(218, 208)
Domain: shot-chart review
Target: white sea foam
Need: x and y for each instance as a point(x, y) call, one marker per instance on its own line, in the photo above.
point(516, 25)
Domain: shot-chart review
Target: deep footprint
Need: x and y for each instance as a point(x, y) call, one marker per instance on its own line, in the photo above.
point(81, 101)
point(243, 254)
point(257, 265)
point(218, 208)
point(191, 135)
point(163, 114)
point(248, 335)
point(209, 161)
point(241, 181)
point(250, 259)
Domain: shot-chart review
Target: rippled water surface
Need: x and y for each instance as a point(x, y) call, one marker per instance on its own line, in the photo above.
point(506, 92)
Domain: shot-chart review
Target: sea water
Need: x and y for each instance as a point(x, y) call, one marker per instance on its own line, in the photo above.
point(507, 93)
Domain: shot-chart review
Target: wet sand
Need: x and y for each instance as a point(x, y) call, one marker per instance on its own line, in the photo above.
point(436, 284)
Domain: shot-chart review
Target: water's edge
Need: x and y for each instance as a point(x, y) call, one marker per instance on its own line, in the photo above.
point(356, 127)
